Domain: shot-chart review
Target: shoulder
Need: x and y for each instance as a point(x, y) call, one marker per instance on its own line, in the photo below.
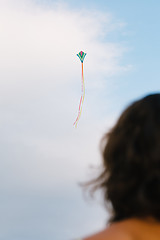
point(117, 231)
point(130, 229)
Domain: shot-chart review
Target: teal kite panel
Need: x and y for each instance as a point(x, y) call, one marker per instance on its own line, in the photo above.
point(81, 56)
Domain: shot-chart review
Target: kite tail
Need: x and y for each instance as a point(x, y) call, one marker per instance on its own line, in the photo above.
point(81, 100)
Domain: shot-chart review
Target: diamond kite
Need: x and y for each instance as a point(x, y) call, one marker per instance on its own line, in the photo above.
point(81, 56)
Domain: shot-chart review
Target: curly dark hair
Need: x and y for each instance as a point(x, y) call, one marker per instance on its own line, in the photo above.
point(130, 178)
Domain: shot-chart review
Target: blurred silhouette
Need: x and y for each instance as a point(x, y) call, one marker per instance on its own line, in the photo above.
point(130, 178)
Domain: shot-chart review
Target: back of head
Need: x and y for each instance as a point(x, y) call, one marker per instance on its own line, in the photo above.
point(131, 161)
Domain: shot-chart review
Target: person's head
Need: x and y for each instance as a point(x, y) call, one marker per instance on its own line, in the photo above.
point(130, 178)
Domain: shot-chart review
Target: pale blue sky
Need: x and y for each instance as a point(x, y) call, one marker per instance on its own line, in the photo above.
point(43, 156)
point(142, 37)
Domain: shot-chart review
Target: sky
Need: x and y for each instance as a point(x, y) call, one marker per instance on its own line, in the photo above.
point(43, 157)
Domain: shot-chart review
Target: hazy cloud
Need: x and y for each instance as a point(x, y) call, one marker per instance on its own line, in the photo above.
point(40, 90)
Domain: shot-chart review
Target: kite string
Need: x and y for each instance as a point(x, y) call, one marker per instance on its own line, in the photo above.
point(81, 100)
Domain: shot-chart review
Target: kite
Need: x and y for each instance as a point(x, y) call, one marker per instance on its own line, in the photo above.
point(81, 56)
